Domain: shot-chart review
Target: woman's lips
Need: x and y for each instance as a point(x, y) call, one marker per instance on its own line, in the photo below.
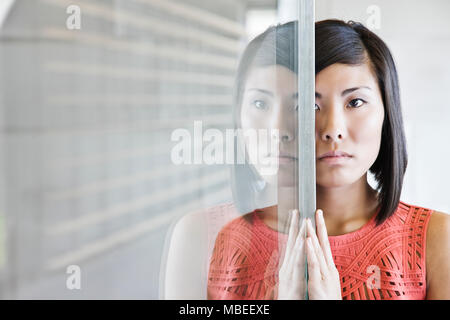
point(335, 153)
point(286, 159)
point(332, 157)
point(335, 159)
point(283, 159)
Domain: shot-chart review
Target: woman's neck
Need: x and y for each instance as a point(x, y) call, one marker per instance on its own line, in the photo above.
point(277, 216)
point(347, 208)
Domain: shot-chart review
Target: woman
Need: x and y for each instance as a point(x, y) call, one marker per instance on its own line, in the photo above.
point(368, 244)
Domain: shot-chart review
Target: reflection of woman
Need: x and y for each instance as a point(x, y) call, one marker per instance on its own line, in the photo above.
point(378, 247)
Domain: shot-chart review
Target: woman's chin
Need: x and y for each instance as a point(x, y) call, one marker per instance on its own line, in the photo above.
point(286, 180)
point(280, 180)
point(335, 182)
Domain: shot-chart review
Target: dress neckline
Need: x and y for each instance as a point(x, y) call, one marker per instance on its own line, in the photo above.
point(334, 240)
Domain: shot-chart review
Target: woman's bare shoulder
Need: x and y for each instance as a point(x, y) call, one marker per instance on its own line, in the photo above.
point(201, 218)
point(187, 250)
point(438, 233)
point(438, 227)
point(438, 256)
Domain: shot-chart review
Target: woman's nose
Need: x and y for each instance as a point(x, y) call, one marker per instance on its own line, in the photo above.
point(333, 127)
point(283, 136)
point(285, 124)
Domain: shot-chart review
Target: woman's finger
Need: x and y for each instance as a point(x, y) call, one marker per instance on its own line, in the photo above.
point(299, 242)
point(300, 248)
point(313, 264)
point(292, 235)
point(323, 238)
point(301, 235)
point(293, 230)
point(299, 275)
point(317, 249)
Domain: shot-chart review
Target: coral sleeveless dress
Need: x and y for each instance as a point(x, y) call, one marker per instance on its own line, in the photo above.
point(374, 262)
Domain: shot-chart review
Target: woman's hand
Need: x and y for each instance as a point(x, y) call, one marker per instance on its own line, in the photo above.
point(324, 282)
point(292, 282)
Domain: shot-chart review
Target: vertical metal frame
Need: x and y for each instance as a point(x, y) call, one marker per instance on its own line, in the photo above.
point(306, 115)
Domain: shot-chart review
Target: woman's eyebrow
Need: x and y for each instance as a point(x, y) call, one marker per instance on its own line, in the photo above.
point(270, 93)
point(350, 90)
point(261, 90)
point(346, 91)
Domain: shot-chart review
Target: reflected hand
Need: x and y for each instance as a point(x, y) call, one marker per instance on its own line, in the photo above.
point(324, 282)
point(292, 282)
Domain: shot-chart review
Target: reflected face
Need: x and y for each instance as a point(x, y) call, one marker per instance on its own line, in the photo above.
point(349, 119)
point(269, 104)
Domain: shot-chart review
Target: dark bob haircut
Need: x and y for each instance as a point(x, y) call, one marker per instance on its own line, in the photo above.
point(336, 41)
point(353, 44)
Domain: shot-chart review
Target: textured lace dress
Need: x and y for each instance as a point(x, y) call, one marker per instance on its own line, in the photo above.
point(374, 262)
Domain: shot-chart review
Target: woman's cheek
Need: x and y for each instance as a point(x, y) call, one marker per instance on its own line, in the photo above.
point(253, 119)
point(367, 136)
point(246, 120)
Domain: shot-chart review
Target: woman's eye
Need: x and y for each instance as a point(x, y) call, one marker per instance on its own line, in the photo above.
point(259, 104)
point(316, 107)
point(356, 103)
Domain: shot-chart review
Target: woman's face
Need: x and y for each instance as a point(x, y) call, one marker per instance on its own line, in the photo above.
point(270, 103)
point(349, 118)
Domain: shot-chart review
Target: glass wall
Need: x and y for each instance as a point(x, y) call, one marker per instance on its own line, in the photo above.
point(91, 92)
point(123, 123)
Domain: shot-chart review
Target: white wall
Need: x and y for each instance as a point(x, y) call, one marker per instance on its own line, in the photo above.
point(418, 34)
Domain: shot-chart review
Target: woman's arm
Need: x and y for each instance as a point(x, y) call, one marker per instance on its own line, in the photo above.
point(185, 267)
point(438, 256)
